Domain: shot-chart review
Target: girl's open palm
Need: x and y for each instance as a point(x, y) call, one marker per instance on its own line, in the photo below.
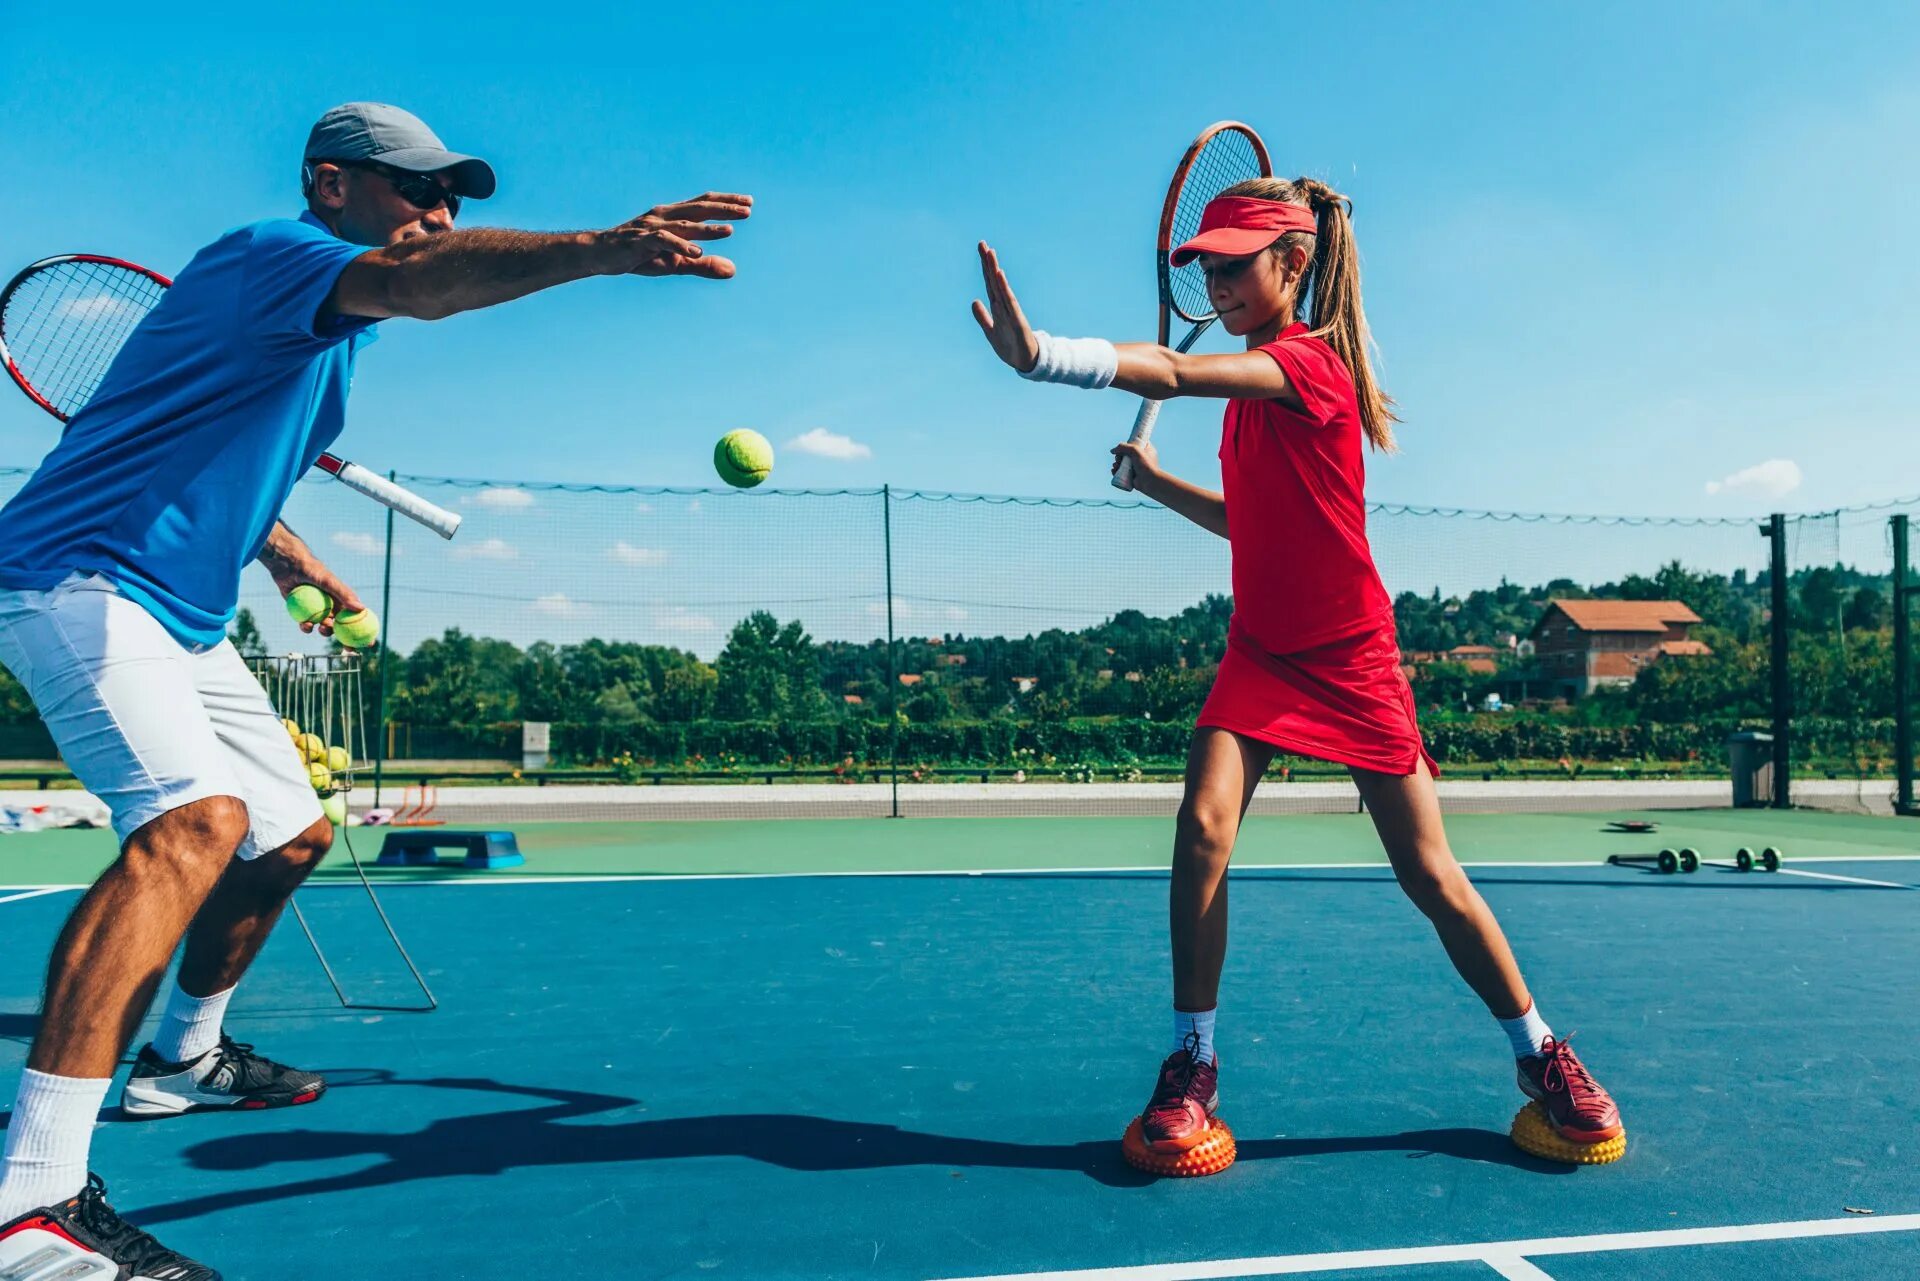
point(1000, 317)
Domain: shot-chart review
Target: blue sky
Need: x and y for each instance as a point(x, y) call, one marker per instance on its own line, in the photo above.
point(1639, 259)
point(1614, 254)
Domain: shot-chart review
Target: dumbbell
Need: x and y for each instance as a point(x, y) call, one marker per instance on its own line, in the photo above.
point(1768, 861)
point(1666, 861)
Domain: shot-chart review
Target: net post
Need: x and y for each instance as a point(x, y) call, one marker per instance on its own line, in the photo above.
point(1775, 531)
point(380, 736)
point(1902, 673)
point(893, 679)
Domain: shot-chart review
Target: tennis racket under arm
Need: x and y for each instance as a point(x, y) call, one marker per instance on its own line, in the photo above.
point(1223, 154)
point(63, 320)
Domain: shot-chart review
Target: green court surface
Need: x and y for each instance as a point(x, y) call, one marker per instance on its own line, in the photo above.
point(866, 845)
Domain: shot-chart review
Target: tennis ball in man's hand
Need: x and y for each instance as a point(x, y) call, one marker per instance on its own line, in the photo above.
point(308, 604)
point(334, 806)
point(743, 458)
point(312, 747)
point(338, 760)
point(358, 630)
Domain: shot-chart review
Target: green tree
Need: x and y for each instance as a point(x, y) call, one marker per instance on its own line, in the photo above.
point(768, 671)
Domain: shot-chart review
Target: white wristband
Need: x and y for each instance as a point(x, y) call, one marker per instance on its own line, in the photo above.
point(1078, 362)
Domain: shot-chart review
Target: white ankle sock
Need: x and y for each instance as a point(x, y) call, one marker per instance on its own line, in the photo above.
point(48, 1138)
point(1187, 1023)
point(191, 1025)
point(1528, 1032)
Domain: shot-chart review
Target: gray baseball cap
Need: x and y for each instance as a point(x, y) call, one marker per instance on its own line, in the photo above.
point(376, 131)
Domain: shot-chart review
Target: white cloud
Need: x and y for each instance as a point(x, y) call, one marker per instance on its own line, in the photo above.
point(99, 307)
point(955, 614)
point(1775, 478)
point(487, 549)
point(639, 557)
point(504, 500)
point(560, 605)
point(827, 444)
point(645, 509)
point(901, 609)
point(364, 544)
point(682, 621)
point(693, 508)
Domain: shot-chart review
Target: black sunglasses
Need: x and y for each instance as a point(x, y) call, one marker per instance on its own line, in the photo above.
point(417, 189)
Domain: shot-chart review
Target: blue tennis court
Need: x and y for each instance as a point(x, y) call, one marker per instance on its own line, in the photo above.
point(925, 1076)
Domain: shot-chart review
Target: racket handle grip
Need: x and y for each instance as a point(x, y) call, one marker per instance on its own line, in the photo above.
point(387, 494)
point(1142, 430)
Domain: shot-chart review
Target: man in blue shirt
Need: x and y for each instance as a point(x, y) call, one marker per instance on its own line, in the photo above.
point(120, 565)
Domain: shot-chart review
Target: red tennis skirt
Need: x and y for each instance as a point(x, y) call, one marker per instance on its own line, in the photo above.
point(1345, 701)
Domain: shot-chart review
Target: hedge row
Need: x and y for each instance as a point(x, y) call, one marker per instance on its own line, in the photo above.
point(1005, 743)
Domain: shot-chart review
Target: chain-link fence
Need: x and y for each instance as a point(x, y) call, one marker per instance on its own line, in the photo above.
point(881, 652)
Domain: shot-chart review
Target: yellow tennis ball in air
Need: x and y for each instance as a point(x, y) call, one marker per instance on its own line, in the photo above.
point(308, 604)
point(334, 806)
point(320, 776)
point(743, 458)
point(338, 760)
point(359, 630)
point(312, 747)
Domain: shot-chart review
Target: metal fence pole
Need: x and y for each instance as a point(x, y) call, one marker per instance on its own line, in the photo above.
point(893, 677)
point(1775, 531)
point(1902, 673)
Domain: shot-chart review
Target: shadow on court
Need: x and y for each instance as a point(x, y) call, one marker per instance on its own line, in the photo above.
point(493, 1143)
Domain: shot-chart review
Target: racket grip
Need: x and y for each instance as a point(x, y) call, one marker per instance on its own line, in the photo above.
point(1142, 430)
point(387, 494)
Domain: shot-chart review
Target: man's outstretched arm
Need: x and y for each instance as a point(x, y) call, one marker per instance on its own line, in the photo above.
point(431, 277)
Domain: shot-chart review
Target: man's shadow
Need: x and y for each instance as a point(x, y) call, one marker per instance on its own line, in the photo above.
point(490, 1143)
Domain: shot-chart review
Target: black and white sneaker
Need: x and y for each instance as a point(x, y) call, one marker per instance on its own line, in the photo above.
point(84, 1240)
point(229, 1076)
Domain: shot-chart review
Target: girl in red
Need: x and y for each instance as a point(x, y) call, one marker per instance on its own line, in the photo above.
point(1312, 664)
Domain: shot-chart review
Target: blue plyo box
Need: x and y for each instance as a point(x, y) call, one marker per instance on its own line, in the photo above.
point(421, 846)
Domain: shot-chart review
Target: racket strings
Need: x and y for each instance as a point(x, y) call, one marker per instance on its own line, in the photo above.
point(66, 323)
point(1227, 158)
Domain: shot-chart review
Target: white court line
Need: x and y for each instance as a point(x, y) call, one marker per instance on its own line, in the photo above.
point(1514, 1268)
point(1835, 876)
point(1494, 1253)
point(39, 892)
point(618, 878)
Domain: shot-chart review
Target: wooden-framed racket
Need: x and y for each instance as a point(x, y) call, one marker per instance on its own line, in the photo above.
point(63, 320)
point(1223, 154)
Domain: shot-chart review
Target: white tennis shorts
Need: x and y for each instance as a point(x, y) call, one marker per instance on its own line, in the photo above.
point(147, 724)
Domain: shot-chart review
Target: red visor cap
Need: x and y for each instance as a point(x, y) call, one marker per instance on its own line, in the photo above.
point(1234, 226)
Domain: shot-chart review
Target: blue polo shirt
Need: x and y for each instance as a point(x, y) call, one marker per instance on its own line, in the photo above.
point(170, 479)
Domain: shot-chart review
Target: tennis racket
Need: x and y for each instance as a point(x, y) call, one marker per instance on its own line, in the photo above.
point(1222, 155)
point(63, 320)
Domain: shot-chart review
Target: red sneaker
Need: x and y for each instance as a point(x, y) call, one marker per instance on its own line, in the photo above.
point(1180, 1113)
point(1579, 1110)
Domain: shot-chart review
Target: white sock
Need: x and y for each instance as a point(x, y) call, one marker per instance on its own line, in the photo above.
point(48, 1137)
point(191, 1025)
point(1189, 1023)
point(1528, 1032)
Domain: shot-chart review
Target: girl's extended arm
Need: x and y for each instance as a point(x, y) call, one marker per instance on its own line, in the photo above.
point(1201, 506)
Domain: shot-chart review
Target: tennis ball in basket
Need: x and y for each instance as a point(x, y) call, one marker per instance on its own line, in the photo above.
point(338, 760)
point(357, 631)
point(312, 748)
point(293, 727)
point(334, 806)
point(743, 458)
point(320, 776)
point(308, 604)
